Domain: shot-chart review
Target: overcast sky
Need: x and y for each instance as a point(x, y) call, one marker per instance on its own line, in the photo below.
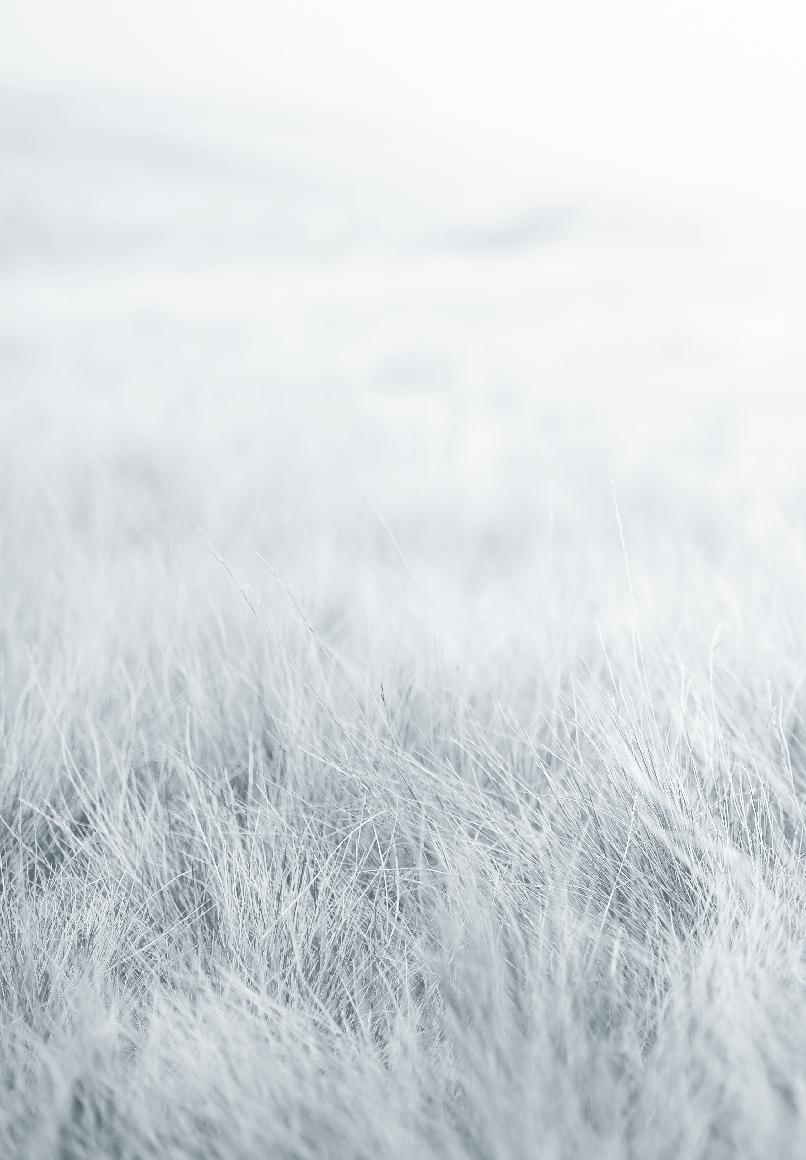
point(707, 90)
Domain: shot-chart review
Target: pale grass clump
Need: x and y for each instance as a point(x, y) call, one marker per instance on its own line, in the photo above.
point(368, 890)
point(371, 785)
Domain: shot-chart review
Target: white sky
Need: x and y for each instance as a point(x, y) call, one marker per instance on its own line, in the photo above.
point(709, 91)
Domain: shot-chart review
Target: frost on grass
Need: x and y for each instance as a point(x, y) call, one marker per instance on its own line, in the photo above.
point(328, 868)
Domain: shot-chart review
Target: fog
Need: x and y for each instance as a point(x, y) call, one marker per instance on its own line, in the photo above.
point(708, 94)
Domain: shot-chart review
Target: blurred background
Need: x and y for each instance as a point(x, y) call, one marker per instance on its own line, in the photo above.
point(426, 280)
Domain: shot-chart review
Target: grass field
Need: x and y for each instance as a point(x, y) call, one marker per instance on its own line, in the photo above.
point(402, 656)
